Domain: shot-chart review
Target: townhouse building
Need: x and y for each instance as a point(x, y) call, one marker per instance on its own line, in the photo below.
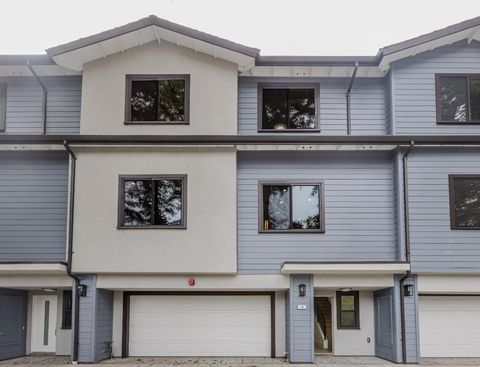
point(165, 192)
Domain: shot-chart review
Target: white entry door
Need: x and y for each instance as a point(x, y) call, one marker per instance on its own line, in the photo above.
point(449, 326)
point(200, 326)
point(44, 323)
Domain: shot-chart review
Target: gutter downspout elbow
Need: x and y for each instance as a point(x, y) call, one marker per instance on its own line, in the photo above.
point(347, 96)
point(45, 97)
point(407, 249)
point(73, 160)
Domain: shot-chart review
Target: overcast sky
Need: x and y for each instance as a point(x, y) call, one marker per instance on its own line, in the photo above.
point(277, 27)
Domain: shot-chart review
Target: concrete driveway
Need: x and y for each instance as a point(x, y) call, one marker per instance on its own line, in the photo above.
point(321, 361)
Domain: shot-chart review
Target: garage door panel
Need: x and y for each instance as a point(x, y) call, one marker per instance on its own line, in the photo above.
point(199, 326)
point(449, 326)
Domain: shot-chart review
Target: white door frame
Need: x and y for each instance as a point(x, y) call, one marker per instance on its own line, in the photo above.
point(44, 340)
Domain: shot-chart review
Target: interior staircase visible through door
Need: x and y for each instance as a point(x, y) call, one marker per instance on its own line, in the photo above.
point(323, 325)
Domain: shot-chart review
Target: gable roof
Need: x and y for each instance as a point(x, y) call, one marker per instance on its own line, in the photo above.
point(73, 55)
point(152, 28)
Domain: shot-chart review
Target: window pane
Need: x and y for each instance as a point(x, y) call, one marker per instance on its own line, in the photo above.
point(171, 100)
point(347, 319)
point(475, 99)
point(144, 100)
point(301, 104)
point(453, 99)
point(138, 203)
point(467, 202)
point(347, 303)
point(275, 110)
point(169, 202)
point(305, 207)
point(276, 207)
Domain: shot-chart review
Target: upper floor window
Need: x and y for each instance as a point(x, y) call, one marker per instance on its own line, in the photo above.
point(458, 98)
point(152, 202)
point(290, 107)
point(464, 201)
point(157, 99)
point(290, 207)
point(3, 105)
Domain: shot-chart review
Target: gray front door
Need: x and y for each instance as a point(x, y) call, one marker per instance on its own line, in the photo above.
point(385, 328)
point(13, 323)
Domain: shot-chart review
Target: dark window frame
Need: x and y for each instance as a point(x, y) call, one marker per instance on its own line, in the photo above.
point(121, 198)
point(321, 199)
point(149, 77)
point(451, 190)
point(263, 86)
point(437, 98)
point(67, 320)
point(3, 106)
point(356, 300)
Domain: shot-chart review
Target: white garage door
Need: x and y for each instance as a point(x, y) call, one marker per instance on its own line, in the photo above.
point(199, 326)
point(449, 326)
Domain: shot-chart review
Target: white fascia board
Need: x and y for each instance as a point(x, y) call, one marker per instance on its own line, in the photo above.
point(313, 71)
point(315, 147)
point(345, 268)
point(30, 147)
point(33, 268)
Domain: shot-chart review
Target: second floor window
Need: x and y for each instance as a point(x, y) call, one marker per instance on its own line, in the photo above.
point(465, 201)
point(458, 98)
point(152, 201)
point(291, 207)
point(157, 99)
point(287, 108)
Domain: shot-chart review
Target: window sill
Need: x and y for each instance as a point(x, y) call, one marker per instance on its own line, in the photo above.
point(280, 131)
point(152, 227)
point(458, 123)
point(349, 328)
point(156, 122)
point(466, 228)
point(290, 231)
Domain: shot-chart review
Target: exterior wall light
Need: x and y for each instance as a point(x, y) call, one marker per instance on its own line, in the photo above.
point(82, 290)
point(408, 290)
point(302, 290)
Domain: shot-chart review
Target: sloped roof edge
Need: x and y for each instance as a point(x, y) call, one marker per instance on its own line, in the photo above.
point(146, 22)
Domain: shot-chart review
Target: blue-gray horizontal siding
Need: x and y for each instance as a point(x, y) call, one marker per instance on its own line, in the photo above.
point(24, 105)
point(414, 88)
point(367, 105)
point(301, 347)
point(104, 323)
point(33, 206)
point(86, 323)
point(359, 209)
point(434, 246)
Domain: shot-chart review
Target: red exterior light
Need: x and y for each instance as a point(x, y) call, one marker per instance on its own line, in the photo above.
point(191, 281)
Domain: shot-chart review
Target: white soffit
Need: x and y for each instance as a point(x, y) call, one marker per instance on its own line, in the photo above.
point(33, 268)
point(344, 268)
point(76, 58)
point(469, 35)
point(314, 71)
point(41, 70)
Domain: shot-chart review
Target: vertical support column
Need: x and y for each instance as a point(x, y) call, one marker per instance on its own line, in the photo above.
point(300, 318)
point(95, 322)
point(411, 319)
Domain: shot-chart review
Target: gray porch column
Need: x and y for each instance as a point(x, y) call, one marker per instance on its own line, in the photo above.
point(95, 323)
point(300, 317)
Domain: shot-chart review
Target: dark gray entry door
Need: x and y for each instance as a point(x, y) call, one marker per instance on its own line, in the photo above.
point(13, 323)
point(385, 326)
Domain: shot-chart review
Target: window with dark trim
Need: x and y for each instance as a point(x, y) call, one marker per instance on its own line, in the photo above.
point(348, 310)
point(3, 105)
point(67, 310)
point(288, 107)
point(458, 98)
point(291, 207)
point(464, 201)
point(152, 201)
point(162, 99)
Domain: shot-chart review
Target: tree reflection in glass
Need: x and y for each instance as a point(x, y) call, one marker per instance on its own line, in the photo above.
point(467, 202)
point(138, 203)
